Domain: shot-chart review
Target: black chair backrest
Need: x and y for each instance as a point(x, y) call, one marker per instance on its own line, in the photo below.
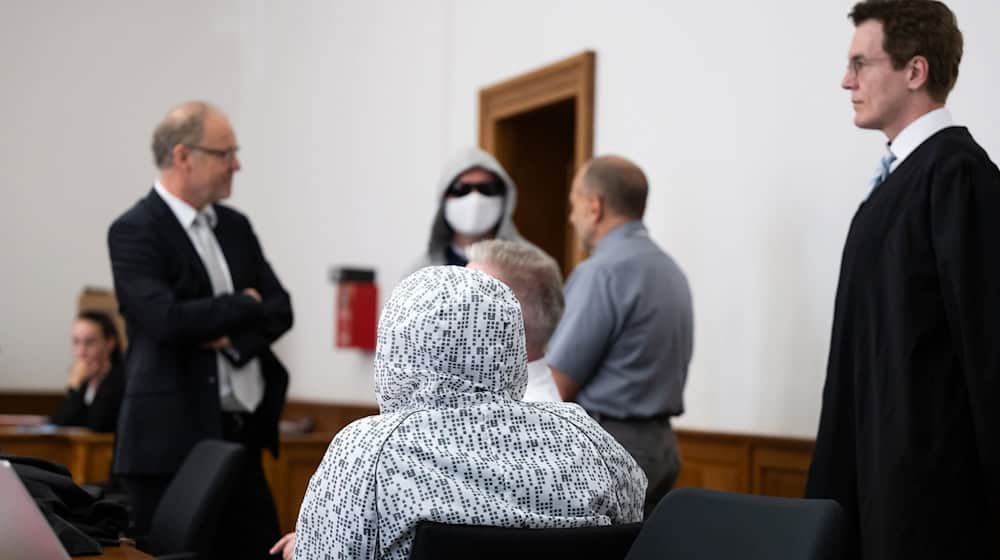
point(188, 514)
point(440, 541)
point(696, 523)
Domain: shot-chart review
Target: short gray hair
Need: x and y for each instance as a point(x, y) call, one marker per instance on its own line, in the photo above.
point(184, 124)
point(535, 279)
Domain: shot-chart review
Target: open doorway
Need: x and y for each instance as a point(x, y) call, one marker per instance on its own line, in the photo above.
point(540, 126)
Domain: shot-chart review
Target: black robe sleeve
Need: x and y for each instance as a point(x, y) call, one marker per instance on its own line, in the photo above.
point(965, 226)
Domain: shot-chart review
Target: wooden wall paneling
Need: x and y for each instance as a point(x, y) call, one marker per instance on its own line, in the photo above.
point(780, 467)
point(289, 475)
point(44, 403)
point(301, 454)
point(714, 461)
point(764, 465)
point(328, 417)
point(274, 472)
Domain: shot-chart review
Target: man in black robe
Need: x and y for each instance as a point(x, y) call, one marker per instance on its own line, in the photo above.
point(909, 438)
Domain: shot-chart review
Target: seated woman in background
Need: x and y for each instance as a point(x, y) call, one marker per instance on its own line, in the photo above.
point(454, 443)
point(96, 379)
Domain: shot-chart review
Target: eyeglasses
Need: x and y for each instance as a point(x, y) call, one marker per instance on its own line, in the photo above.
point(856, 64)
point(228, 155)
point(493, 188)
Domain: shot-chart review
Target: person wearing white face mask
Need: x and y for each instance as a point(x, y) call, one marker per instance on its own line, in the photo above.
point(477, 199)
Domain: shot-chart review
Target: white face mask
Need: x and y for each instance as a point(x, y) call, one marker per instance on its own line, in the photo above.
point(473, 214)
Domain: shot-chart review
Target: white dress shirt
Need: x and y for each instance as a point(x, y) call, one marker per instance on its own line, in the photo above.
point(911, 137)
point(541, 386)
point(186, 215)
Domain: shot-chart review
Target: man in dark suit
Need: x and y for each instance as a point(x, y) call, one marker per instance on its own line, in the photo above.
point(202, 307)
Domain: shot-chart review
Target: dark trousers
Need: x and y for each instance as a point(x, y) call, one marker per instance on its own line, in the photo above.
point(653, 445)
point(144, 492)
point(248, 525)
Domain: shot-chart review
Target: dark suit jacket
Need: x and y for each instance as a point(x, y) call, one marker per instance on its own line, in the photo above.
point(164, 292)
point(102, 414)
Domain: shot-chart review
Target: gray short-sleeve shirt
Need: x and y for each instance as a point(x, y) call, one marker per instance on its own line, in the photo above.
point(627, 334)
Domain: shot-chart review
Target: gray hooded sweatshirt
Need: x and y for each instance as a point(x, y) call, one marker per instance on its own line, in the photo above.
point(441, 232)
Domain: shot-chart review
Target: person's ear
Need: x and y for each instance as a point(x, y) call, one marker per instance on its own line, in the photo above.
point(917, 73)
point(181, 155)
point(597, 207)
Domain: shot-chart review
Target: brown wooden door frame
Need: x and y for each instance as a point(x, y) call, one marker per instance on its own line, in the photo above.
point(571, 78)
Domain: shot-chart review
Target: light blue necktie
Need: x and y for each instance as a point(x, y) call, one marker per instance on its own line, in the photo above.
point(882, 172)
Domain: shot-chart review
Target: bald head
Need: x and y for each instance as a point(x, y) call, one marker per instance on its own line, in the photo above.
point(184, 124)
point(195, 148)
point(620, 183)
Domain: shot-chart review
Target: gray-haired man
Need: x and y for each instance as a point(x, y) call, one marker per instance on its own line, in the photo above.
point(536, 281)
point(203, 308)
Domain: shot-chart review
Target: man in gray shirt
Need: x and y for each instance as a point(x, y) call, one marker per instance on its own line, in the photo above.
point(624, 343)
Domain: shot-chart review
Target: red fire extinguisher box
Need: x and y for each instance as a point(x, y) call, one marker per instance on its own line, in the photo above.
point(355, 307)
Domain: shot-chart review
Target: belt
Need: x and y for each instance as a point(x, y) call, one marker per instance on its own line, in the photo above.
point(235, 421)
point(600, 417)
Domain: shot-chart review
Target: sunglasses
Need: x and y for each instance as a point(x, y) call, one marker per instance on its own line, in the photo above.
point(493, 188)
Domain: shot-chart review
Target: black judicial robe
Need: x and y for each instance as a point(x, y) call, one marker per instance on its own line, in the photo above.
point(909, 437)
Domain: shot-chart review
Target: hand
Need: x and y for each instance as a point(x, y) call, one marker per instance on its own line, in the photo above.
point(253, 293)
point(218, 344)
point(81, 373)
point(285, 546)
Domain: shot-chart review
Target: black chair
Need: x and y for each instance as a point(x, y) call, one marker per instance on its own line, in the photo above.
point(185, 520)
point(440, 541)
point(694, 523)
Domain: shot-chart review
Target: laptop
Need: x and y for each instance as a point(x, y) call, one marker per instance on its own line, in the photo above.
point(24, 532)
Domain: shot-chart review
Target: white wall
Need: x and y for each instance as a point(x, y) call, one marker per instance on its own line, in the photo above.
point(83, 84)
point(346, 109)
point(338, 108)
point(734, 111)
point(342, 128)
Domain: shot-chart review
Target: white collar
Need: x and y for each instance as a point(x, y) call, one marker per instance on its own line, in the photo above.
point(184, 212)
point(539, 363)
point(916, 132)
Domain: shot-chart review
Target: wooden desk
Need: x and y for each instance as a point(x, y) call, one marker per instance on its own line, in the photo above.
point(87, 455)
point(123, 552)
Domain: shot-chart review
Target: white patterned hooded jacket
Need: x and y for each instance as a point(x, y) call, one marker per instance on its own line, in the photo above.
point(454, 443)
